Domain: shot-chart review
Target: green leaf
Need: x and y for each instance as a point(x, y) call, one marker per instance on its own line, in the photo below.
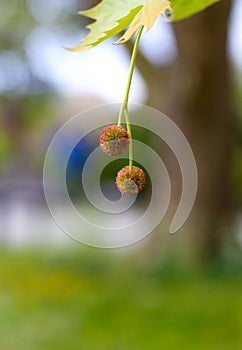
point(186, 8)
point(113, 16)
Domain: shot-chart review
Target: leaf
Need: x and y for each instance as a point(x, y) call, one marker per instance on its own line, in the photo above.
point(111, 17)
point(146, 17)
point(186, 8)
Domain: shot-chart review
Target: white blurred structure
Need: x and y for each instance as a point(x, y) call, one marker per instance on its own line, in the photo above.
point(25, 218)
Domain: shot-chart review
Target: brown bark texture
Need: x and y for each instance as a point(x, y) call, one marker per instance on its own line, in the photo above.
point(195, 93)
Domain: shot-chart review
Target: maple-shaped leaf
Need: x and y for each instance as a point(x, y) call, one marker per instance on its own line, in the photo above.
point(111, 17)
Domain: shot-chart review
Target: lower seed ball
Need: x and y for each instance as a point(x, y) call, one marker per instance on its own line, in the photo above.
point(130, 181)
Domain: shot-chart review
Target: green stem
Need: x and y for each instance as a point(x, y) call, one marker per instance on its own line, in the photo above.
point(124, 107)
point(129, 129)
point(130, 75)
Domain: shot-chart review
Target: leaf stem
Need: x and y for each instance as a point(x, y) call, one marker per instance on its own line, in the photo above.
point(124, 108)
point(129, 129)
point(130, 75)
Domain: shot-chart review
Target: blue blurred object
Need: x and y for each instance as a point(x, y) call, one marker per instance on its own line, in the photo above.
point(79, 156)
point(75, 166)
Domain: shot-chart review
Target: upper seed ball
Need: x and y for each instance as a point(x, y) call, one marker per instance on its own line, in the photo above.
point(114, 140)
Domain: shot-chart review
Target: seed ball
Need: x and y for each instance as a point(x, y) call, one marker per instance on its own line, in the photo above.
point(114, 140)
point(131, 181)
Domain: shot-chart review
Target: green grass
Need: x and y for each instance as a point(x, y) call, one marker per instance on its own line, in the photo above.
point(84, 299)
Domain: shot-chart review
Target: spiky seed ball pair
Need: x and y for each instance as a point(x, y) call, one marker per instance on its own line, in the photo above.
point(114, 141)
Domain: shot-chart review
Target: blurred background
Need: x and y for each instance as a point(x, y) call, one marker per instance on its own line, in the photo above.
point(168, 291)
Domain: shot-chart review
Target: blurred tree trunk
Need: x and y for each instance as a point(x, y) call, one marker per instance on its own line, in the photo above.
point(195, 93)
point(202, 94)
